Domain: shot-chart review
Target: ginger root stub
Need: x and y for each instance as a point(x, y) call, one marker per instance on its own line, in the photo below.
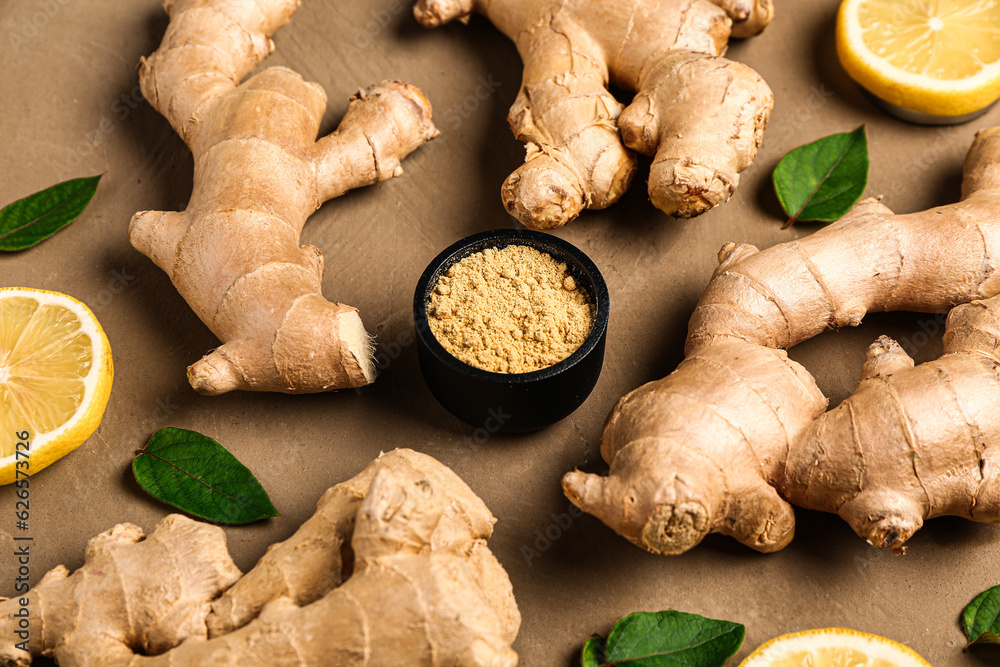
point(510, 310)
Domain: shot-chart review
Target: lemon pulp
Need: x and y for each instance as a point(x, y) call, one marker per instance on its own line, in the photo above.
point(833, 647)
point(941, 39)
point(938, 57)
point(831, 657)
point(44, 358)
point(55, 378)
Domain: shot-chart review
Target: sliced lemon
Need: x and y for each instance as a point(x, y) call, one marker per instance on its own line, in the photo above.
point(939, 57)
point(55, 378)
point(833, 647)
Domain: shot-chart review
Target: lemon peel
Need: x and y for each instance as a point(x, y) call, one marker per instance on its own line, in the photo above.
point(833, 647)
point(940, 58)
point(55, 378)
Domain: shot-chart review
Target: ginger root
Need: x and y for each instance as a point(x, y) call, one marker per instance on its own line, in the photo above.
point(702, 116)
point(234, 254)
point(739, 430)
point(423, 587)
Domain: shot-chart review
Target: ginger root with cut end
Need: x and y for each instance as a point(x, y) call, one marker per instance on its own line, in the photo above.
point(423, 587)
point(739, 431)
point(700, 115)
point(234, 254)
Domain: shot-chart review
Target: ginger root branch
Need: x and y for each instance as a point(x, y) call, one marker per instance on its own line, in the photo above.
point(739, 431)
point(234, 253)
point(701, 115)
point(419, 585)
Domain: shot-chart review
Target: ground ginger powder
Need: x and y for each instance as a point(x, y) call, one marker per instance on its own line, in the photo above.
point(510, 310)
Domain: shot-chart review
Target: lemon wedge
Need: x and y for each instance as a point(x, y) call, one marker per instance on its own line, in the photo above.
point(833, 647)
point(55, 378)
point(938, 57)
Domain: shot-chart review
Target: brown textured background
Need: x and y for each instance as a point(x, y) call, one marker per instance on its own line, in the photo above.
point(70, 106)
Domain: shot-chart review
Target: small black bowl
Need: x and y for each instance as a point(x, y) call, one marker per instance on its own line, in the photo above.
point(512, 402)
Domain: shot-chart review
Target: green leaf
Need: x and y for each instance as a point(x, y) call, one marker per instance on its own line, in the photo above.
point(666, 639)
point(824, 179)
point(593, 652)
point(31, 220)
point(196, 474)
point(982, 618)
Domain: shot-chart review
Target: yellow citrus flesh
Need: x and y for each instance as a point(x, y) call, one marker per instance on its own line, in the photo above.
point(55, 378)
point(940, 57)
point(833, 647)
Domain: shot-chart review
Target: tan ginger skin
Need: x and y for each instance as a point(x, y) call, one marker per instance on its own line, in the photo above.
point(423, 587)
point(234, 254)
point(702, 116)
point(739, 431)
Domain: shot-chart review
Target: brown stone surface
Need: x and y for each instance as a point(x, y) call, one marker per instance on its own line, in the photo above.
point(70, 106)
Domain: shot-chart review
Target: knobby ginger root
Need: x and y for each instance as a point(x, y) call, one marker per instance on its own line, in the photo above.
point(134, 594)
point(423, 587)
point(234, 254)
point(739, 430)
point(702, 116)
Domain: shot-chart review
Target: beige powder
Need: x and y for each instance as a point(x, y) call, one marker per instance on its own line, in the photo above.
point(510, 310)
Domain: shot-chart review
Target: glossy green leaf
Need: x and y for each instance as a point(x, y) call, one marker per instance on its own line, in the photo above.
point(981, 618)
point(31, 220)
point(197, 475)
point(823, 180)
point(666, 639)
point(593, 652)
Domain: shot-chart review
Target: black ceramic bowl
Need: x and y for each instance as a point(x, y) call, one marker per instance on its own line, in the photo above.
point(512, 402)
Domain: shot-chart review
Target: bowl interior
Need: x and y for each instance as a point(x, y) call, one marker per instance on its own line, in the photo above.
point(578, 265)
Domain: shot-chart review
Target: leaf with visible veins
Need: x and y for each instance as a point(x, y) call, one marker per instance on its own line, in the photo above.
point(196, 474)
point(665, 639)
point(31, 220)
point(821, 181)
point(981, 619)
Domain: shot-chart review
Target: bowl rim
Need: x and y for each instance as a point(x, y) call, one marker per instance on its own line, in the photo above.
point(560, 249)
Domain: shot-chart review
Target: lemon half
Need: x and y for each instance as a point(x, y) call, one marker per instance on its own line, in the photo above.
point(939, 57)
point(55, 378)
point(833, 647)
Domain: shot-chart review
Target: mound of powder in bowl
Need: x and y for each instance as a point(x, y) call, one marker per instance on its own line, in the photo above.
point(510, 310)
